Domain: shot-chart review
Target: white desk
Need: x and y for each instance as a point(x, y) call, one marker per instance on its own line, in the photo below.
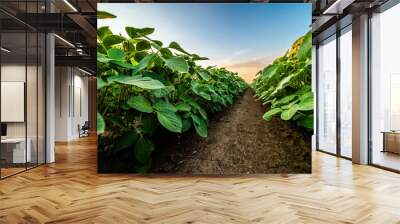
point(18, 149)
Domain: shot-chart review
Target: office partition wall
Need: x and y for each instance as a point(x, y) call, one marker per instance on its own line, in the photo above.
point(22, 77)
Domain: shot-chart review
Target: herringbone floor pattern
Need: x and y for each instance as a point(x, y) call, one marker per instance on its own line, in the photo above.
point(70, 191)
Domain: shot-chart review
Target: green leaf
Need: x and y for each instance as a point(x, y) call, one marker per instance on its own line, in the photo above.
point(101, 124)
point(101, 83)
point(285, 100)
point(170, 120)
point(142, 82)
point(204, 75)
point(166, 53)
point(269, 114)
point(307, 104)
point(104, 31)
point(139, 55)
point(143, 149)
point(186, 124)
point(143, 45)
point(125, 141)
point(183, 106)
point(105, 15)
point(116, 54)
point(201, 90)
point(124, 64)
point(176, 46)
point(165, 106)
point(102, 58)
point(285, 82)
point(146, 31)
point(144, 63)
point(178, 64)
point(148, 125)
point(289, 113)
point(142, 168)
point(111, 40)
point(154, 75)
point(136, 32)
point(164, 92)
point(203, 113)
point(305, 48)
point(200, 125)
point(159, 43)
point(196, 57)
point(140, 103)
point(117, 121)
point(304, 91)
point(307, 122)
point(306, 95)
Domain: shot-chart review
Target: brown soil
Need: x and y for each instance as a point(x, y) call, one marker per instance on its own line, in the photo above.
point(239, 142)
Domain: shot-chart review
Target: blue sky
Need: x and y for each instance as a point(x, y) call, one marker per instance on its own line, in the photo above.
point(236, 34)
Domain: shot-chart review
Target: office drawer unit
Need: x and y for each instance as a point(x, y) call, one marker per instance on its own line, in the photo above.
point(391, 141)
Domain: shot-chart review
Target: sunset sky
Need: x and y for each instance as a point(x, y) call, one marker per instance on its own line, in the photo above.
point(243, 37)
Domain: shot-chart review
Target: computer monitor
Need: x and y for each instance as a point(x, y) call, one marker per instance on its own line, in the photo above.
point(3, 129)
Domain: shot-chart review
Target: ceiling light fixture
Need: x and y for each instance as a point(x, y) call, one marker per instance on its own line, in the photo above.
point(64, 40)
point(79, 51)
point(5, 50)
point(70, 5)
point(84, 71)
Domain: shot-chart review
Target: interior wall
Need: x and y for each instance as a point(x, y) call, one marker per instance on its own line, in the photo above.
point(62, 81)
point(71, 87)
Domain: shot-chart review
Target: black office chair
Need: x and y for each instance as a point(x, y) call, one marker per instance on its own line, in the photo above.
point(84, 130)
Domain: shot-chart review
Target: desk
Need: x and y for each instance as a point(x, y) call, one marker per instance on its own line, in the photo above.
point(13, 150)
point(391, 141)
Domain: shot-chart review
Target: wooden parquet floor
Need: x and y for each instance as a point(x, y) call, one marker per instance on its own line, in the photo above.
point(70, 191)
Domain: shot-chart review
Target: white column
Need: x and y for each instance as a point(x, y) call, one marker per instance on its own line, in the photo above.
point(50, 99)
point(360, 90)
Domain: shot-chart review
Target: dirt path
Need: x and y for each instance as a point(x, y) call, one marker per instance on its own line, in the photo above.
point(239, 142)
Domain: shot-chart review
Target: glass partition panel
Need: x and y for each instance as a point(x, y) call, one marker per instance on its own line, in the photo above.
point(385, 89)
point(22, 95)
point(346, 92)
point(41, 98)
point(327, 95)
point(14, 153)
point(32, 98)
